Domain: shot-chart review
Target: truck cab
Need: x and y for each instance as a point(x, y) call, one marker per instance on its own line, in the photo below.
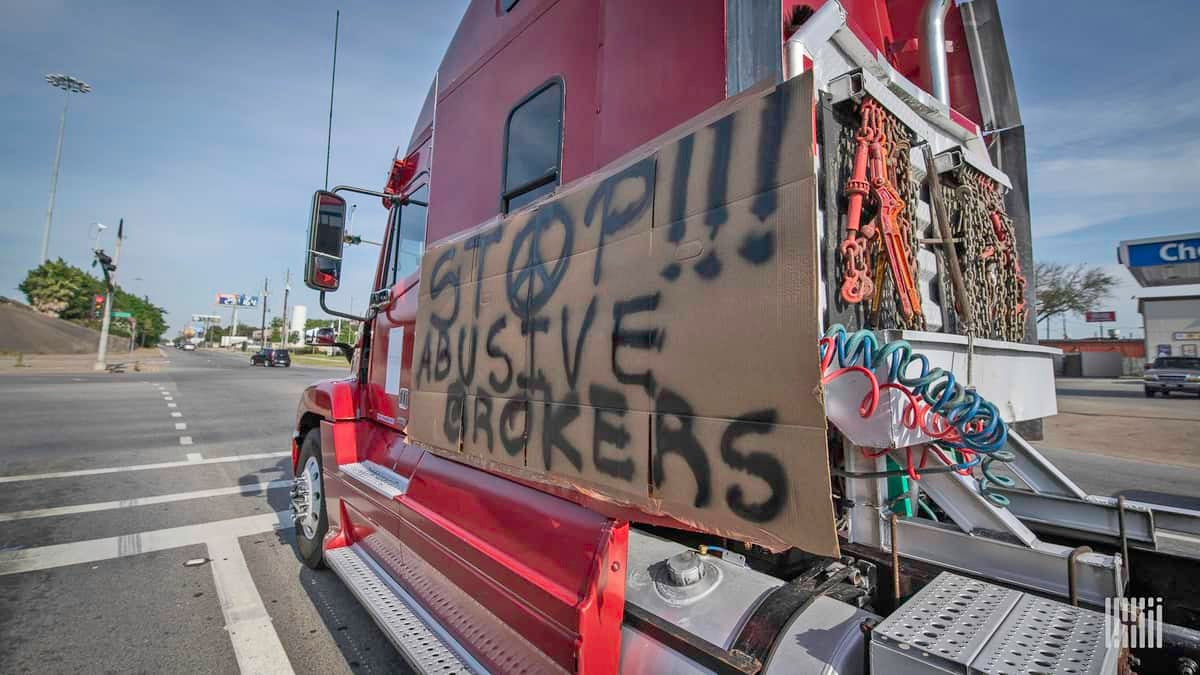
point(606, 410)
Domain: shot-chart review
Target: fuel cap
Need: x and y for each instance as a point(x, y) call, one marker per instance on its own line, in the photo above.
point(685, 568)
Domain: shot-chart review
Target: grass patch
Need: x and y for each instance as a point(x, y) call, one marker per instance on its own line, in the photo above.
point(338, 361)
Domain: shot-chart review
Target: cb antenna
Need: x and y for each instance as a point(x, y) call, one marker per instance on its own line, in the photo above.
point(332, 80)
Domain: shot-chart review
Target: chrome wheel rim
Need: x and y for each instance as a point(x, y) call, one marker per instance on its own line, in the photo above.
point(306, 498)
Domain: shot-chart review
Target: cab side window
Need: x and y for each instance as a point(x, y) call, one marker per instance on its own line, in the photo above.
point(532, 147)
point(407, 242)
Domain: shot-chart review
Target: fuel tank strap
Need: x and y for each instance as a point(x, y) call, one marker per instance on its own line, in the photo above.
point(774, 614)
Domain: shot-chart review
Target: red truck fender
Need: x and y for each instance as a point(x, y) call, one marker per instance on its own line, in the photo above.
point(328, 400)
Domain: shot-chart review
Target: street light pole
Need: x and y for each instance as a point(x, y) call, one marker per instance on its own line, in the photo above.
point(266, 284)
point(102, 351)
point(287, 288)
point(69, 85)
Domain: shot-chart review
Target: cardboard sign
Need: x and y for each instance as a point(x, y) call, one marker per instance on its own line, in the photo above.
point(648, 335)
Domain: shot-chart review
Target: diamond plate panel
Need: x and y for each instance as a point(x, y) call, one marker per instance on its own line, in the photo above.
point(378, 478)
point(950, 619)
point(1042, 637)
point(960, 625)
point(420, 645)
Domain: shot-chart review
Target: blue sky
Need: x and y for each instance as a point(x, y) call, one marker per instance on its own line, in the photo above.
point(206, 132)
point(1110, 99)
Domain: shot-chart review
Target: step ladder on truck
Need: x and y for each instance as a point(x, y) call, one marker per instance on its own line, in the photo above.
point(742, 388)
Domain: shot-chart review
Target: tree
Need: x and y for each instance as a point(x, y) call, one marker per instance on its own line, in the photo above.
point(67, 292)
point(50, 287)
point(1074, 289)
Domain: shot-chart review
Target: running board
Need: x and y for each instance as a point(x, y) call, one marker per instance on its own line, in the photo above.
point(418, 637)
point(378, 478)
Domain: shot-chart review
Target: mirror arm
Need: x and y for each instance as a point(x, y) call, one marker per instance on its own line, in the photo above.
point(383, 195)
point(334, 312)
point(370, 193)
point(347, 350)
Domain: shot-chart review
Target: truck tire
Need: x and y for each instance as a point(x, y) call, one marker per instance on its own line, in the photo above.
point(1149, 393)
point(308, 502)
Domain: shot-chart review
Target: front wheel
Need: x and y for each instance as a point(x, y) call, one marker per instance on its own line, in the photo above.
point(1149, 393)
point(308, 502)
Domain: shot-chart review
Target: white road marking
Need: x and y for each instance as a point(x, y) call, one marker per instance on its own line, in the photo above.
point(180, 426)
point(172, 405)
point(168, 398)
point(255, 642)
point(140, 467)
point(194, 457)
point(107, 548)
point(252, 488)
point(176, 414)
point(185, 440)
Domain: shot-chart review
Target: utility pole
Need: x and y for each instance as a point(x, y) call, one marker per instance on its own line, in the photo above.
point(111, 279)
point(266, 283)
point(287, 287)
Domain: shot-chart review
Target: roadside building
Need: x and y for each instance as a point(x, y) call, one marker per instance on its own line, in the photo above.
point(1098, 357)
point(1172, 325)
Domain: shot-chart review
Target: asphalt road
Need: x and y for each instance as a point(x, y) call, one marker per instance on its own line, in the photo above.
point(109, 484)
point(195, 460)
point(1112, 440)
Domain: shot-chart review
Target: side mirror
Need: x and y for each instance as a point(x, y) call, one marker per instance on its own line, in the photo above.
point(326, 229)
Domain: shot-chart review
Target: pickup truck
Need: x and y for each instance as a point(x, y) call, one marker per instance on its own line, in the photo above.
point(1178, 374)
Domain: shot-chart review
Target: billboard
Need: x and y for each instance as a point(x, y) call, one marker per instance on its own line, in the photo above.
point(237, 300)
point(1100, 317)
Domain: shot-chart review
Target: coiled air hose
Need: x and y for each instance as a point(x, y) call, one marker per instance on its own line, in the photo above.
point(957, 417)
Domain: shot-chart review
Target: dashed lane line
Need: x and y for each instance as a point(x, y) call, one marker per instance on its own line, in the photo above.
point(172, 405)
point(176, 414)
point(251, 488)
point(141, 467)
point(180, 426)
point(185, 440)
point(195, 457)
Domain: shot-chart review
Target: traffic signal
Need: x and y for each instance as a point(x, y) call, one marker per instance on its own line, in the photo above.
point(106, 262)
point(97, 306)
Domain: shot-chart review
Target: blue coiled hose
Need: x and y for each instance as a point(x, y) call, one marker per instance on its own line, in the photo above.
point(961, 407)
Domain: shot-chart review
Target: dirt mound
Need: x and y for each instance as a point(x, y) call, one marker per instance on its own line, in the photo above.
point(24, 330)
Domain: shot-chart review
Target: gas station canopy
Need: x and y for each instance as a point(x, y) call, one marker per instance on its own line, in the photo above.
point(1162, 261)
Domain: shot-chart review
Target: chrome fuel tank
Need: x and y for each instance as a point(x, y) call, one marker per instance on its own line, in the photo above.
point(711, 598)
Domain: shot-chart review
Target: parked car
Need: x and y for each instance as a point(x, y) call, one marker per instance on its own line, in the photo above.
point(272, 357)
point(1173, 373)
point(188, 347)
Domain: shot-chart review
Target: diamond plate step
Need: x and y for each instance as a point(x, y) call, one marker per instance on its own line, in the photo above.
point(961, 625)
point(1043, 636)
point(410, 628)
point(378, 478)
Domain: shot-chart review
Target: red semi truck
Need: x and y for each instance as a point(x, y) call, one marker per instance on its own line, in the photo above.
point(603, 415)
